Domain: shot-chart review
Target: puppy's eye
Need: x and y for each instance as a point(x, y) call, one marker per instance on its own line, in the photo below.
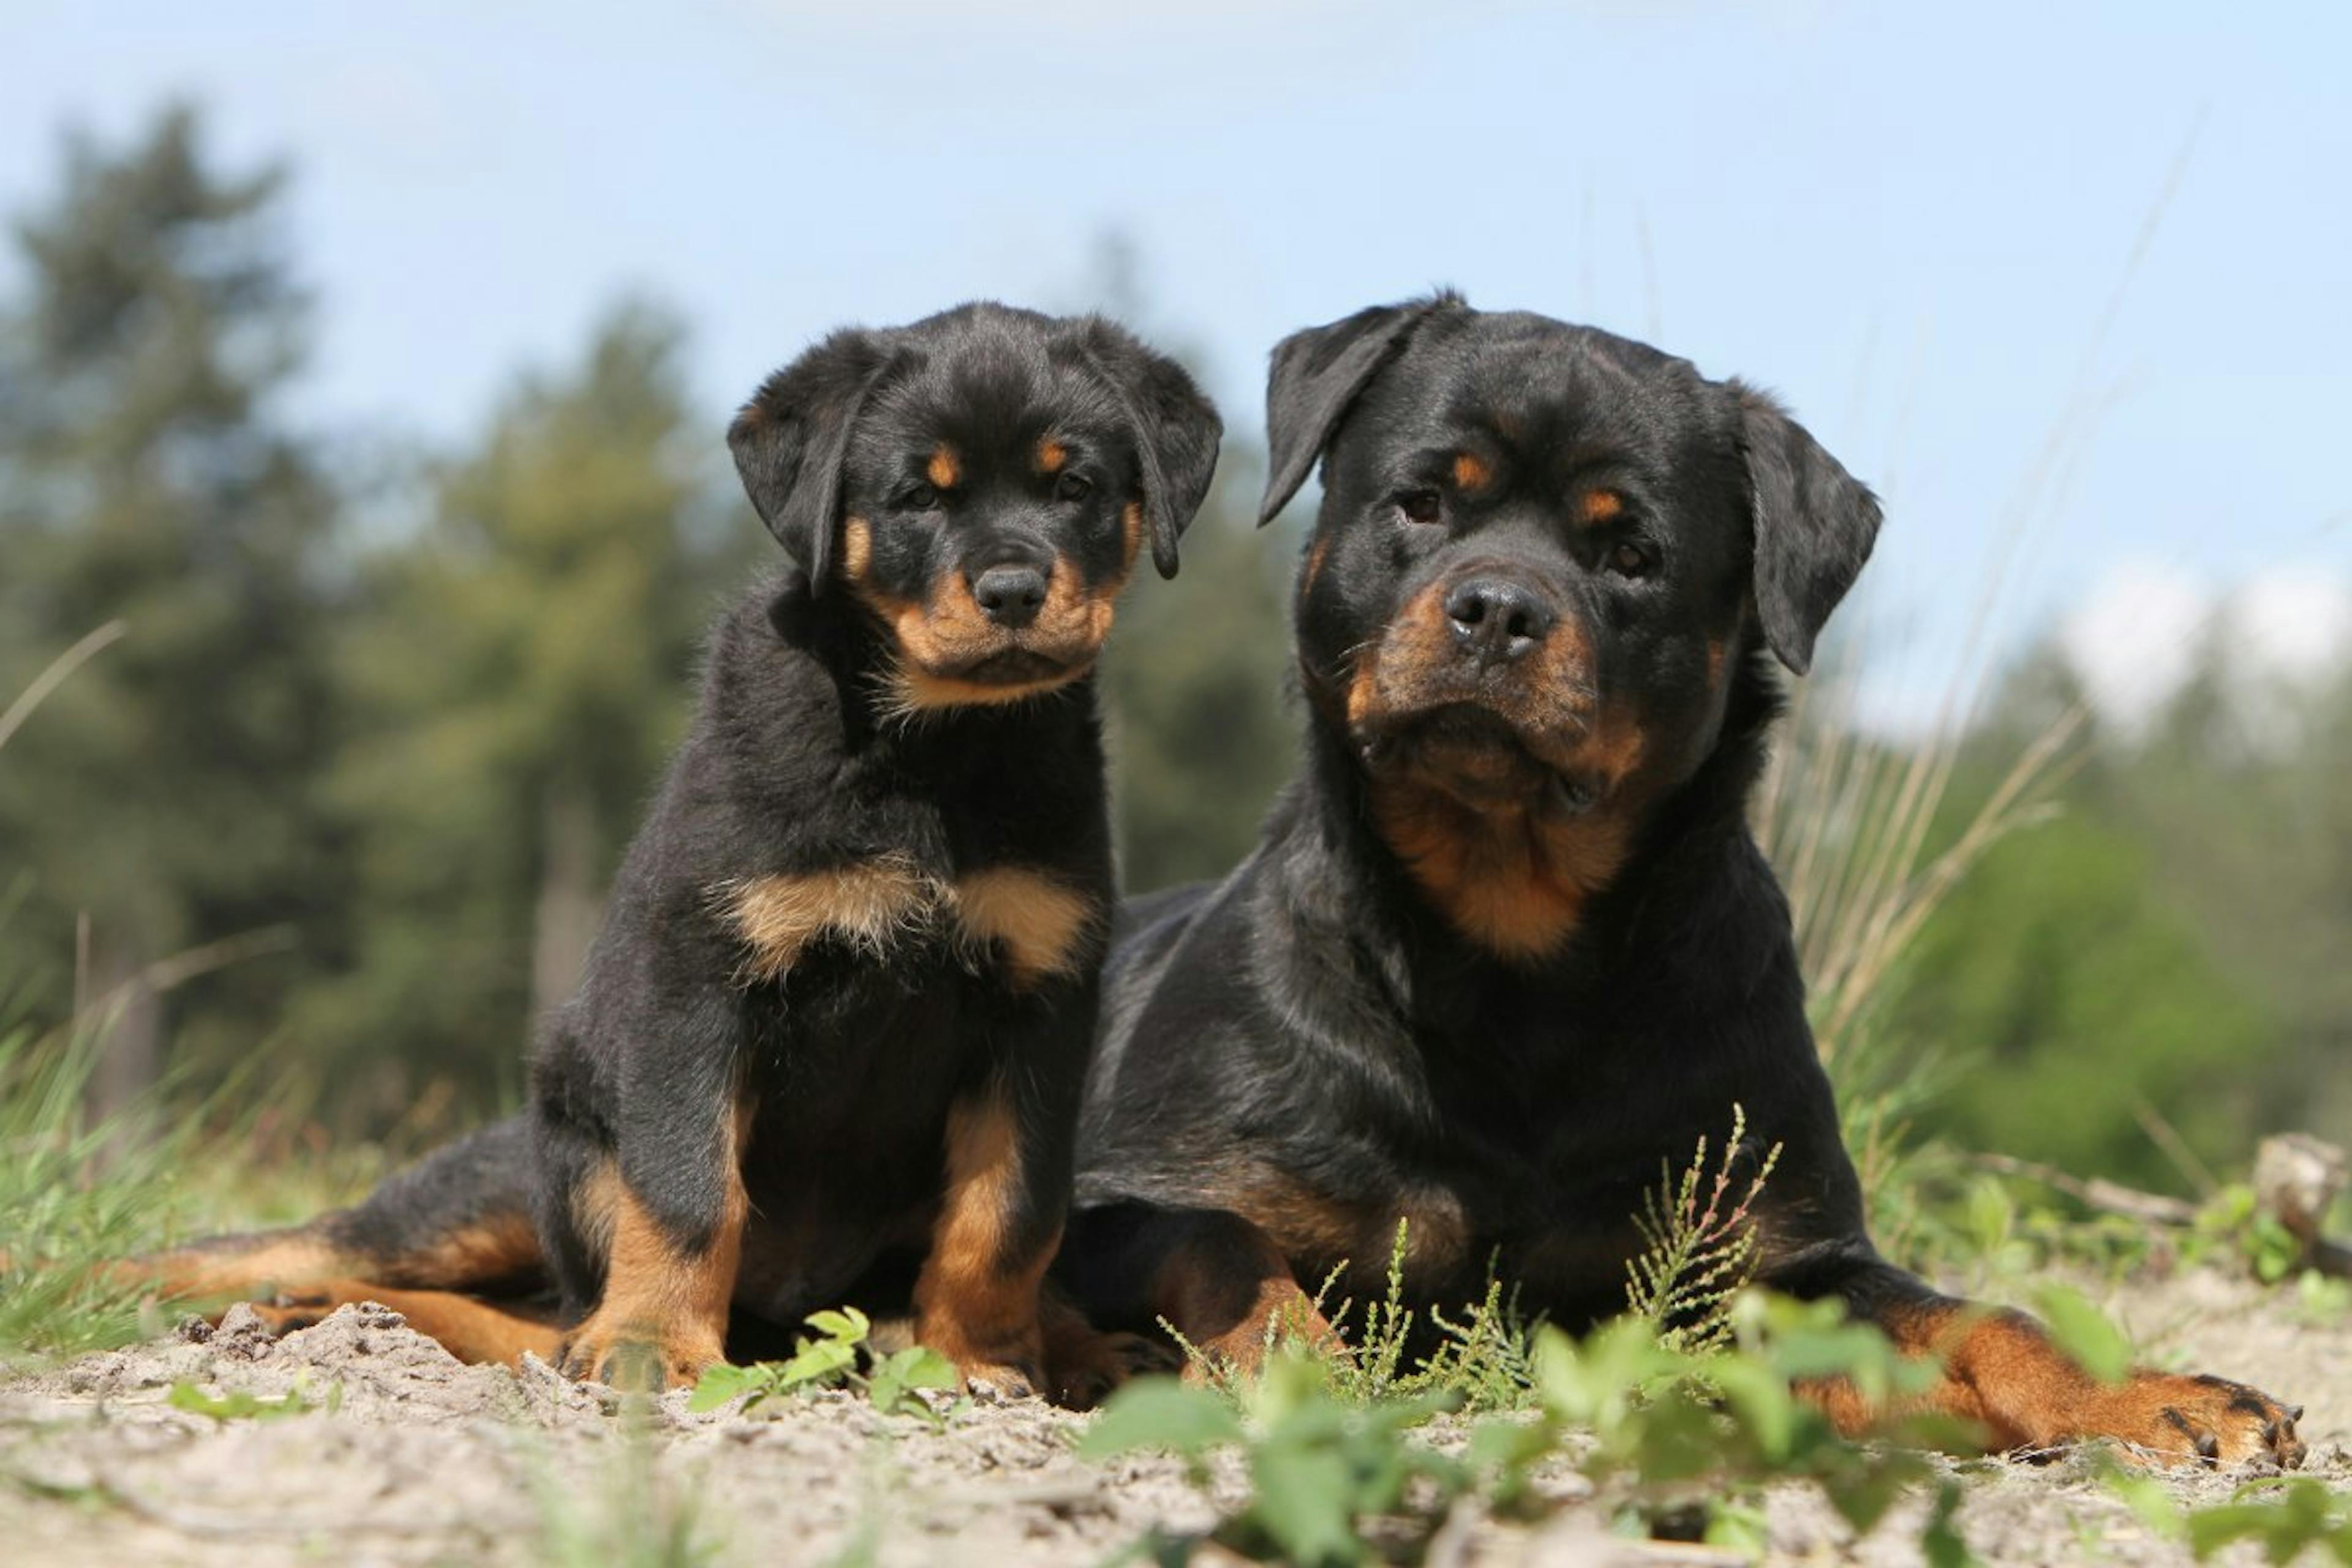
point(1072, 487)
point(1422, 506)
point(918, 498)
point(1632, 559)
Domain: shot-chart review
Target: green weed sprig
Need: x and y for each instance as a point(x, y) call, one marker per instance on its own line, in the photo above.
point(840, 1355)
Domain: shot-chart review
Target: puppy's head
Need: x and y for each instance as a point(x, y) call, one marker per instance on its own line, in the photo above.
point(1542, 553)
point(982, 482)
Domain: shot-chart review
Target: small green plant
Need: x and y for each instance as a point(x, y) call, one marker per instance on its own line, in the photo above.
point(1674, 1440)
point(2085, 1334)
point(1320, 1465)
point(2287, 1516)
point(2305, 1514)
point(1478, 1356)
point(1698, 1244)
point(242, 1404)
point(839, 1355)
point(2322, 1299)
point(2233, 1221)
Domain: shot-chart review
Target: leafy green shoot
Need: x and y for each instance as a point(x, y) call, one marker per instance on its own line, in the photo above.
point(840, 1354)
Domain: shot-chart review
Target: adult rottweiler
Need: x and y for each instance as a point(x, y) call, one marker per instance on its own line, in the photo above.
point(1506, 947)
point(831, 1040)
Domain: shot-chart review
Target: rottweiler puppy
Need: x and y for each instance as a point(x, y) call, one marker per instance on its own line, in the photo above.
point(1507, 948)
point(831, 1040)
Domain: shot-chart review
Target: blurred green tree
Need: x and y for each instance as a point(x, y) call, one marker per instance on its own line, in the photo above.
point(2062, 993)
point(1193, 687)
point(516, 677)
point(149, 473)
point(2158, 955)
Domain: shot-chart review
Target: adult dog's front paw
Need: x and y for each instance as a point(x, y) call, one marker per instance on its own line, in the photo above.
point(2200, 1420)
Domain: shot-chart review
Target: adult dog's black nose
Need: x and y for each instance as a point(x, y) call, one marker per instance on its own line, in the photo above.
point(1494, 620)
point(1012, 595)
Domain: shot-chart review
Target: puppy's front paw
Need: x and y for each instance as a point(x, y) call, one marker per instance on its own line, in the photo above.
point(1001, 1382)
point(637, 1357)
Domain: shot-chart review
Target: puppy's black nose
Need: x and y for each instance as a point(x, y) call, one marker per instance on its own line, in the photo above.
point(1012, 595)
point(1494, 621)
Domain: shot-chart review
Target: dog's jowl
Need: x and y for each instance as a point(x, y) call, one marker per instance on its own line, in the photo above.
point(1507, 948)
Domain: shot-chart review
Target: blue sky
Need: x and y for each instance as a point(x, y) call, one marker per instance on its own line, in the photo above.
point(2070, 276)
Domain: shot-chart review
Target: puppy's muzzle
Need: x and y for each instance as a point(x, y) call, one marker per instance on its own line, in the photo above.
point(1010, 597)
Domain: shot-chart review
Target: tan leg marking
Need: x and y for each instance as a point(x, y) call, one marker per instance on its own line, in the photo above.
point(974, 1304)
point(473, 1330)
point(664, 1307)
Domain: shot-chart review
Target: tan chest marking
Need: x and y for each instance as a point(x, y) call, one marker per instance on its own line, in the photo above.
point(867, 905)
point(1514, 885)
point(1042, 925)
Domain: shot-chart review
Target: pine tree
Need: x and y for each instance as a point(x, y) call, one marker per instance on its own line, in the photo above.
point(148, 475)
point(518, 675)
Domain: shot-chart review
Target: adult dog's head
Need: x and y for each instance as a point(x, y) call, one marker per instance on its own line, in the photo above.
point(981, 482)
point(1543, 555)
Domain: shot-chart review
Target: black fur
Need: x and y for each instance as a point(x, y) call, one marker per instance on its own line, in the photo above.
point(1506, 951)
point(847, 1061)
point(1315, 1044)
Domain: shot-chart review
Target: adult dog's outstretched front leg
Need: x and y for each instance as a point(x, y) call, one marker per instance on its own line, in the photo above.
point(2002, 1372)
point(646, 1223)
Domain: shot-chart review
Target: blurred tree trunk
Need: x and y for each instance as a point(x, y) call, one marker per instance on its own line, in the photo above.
point(565, 917)
point(129, 1018)
point(557, 583)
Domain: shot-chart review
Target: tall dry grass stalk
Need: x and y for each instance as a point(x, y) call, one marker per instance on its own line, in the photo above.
point(1845, 815)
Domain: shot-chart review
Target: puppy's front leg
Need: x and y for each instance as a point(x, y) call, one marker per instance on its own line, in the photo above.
point(1007, 1192)
point(667, 1211)
point(1010, 1138)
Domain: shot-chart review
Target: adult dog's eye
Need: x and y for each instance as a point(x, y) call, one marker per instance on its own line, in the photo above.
point(1072, 487)
point(1422, 506)
point(1632, 559)
point(918, 498)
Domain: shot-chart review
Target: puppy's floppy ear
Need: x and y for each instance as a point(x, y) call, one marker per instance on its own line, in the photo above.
point(1814, 525)
point(1317, 374)
point(1176, 430)
point(790, 440)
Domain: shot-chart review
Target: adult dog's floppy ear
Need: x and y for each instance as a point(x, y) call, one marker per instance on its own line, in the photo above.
point(1814, 524)
point(1176, 430)
point(790, 440)
point(1315, 374)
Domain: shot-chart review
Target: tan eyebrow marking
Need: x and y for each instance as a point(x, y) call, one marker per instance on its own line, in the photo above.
point(943, 470)
point(1470, 471)
point(1051, 455)
point(1599, 506)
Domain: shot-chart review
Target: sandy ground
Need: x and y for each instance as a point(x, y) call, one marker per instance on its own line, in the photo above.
point(422, 1460)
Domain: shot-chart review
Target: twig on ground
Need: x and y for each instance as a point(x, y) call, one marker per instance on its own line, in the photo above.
point(2097, 1191)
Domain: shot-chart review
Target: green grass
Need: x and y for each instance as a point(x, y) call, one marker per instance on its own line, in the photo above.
point(77, 1193)
point(74, 1195)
